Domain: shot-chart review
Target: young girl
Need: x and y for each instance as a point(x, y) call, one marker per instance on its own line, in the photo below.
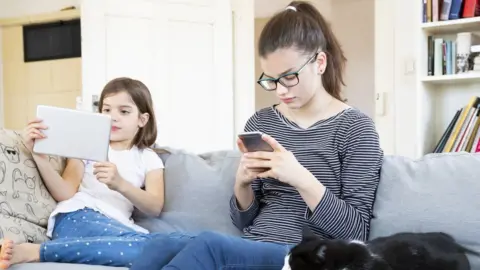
point(323, 173)
point(92, 222)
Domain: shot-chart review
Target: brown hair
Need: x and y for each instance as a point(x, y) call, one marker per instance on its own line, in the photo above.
point(138, 91)
point(306, 30)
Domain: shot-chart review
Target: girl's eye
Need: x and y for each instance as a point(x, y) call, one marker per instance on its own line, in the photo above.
point(125, 112)
point(105, 110)
point(290, 77)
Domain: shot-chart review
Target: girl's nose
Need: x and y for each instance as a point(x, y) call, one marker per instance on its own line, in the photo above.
point(281, 90)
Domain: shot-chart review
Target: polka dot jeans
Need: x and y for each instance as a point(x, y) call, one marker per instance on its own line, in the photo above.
point(88, 237)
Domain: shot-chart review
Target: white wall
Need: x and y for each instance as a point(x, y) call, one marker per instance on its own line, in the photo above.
point(385, 72)
point(243, 61)
point(396, 41)
point(405, 97)
point(353, 24)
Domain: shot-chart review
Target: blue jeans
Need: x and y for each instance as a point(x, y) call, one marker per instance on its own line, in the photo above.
point(212, 251)
point(88, 237)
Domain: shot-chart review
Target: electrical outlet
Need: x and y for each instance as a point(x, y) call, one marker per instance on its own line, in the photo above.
point(380, 103)
point(409, 66)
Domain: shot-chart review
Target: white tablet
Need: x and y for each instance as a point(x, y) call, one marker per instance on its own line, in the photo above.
point(74, 134)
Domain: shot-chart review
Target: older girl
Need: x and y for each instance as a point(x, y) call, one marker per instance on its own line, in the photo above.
point(324, 171)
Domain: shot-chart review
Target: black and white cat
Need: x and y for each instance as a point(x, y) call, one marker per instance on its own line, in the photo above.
point(402, 251)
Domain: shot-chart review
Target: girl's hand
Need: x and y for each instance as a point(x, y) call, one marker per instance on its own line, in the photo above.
point(107, 173)
point(33, 132)
point(279, 164)
point(245, 175)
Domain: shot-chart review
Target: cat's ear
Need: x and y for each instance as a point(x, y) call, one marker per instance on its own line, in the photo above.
point(321, 252)
point(308, 234)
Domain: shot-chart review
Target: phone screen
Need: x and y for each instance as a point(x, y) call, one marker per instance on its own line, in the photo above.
point(254, 142)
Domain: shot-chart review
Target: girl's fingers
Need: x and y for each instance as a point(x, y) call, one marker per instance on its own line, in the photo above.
point(101, 170)
point(35, 120)
point(37, 126)
point(257, 164)
point(241, 146)
point(37, 134)
point(101, 175)
point(258, 170)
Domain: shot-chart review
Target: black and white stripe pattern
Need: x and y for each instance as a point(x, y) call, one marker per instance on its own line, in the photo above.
point(343, 153)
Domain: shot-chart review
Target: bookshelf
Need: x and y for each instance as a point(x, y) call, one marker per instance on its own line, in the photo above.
point(440, 96)
point(452, 26)
point(453, 79)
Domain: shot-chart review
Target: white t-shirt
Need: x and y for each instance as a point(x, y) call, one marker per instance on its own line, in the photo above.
point(133, 166)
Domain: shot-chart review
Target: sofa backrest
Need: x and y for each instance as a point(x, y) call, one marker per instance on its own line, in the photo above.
point(439, 192)
point(198, 189)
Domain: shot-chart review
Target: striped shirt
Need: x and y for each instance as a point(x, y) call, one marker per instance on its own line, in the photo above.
point(343, 153)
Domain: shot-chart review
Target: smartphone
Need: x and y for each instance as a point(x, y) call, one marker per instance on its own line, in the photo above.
point(253, 142)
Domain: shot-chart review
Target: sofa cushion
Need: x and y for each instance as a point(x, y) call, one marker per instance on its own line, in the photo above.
point(197, 193)
point(438, 192)
point(25, 203)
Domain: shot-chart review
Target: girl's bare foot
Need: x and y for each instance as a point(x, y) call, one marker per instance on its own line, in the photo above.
point(6, 251)
point(11, 254)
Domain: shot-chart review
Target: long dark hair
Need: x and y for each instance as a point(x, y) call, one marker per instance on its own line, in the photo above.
point(138, 91)
point(304, 28)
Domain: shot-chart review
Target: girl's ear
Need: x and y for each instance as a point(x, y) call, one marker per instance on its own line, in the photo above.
point(143, 119)
point(321, 63)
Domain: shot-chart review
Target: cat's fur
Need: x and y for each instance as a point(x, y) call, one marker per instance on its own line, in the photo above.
point(402, 251)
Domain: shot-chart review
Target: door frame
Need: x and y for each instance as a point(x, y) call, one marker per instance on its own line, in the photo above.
point(243, 14)
point(385, 122)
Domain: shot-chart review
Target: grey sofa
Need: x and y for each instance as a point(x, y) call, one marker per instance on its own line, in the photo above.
point(435, 193)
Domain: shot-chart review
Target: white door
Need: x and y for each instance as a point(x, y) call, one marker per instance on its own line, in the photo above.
point(181, 49)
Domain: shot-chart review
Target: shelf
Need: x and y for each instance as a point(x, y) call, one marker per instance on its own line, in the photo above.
point(452, 26)
point(455, 78)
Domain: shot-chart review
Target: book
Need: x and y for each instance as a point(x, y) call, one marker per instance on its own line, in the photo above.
point(446, 134)
point(463, 131)
point(445, 10)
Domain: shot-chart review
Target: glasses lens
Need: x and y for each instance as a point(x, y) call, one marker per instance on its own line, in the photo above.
point(289, 80)
point(268, 84)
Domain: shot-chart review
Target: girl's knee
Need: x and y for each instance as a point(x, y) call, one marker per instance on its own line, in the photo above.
point(214, 242)
point(212, 238)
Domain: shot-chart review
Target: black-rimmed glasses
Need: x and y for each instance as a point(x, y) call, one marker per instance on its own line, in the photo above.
point(289, 79)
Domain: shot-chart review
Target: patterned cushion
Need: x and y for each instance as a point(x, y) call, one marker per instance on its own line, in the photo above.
point(25, 203)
